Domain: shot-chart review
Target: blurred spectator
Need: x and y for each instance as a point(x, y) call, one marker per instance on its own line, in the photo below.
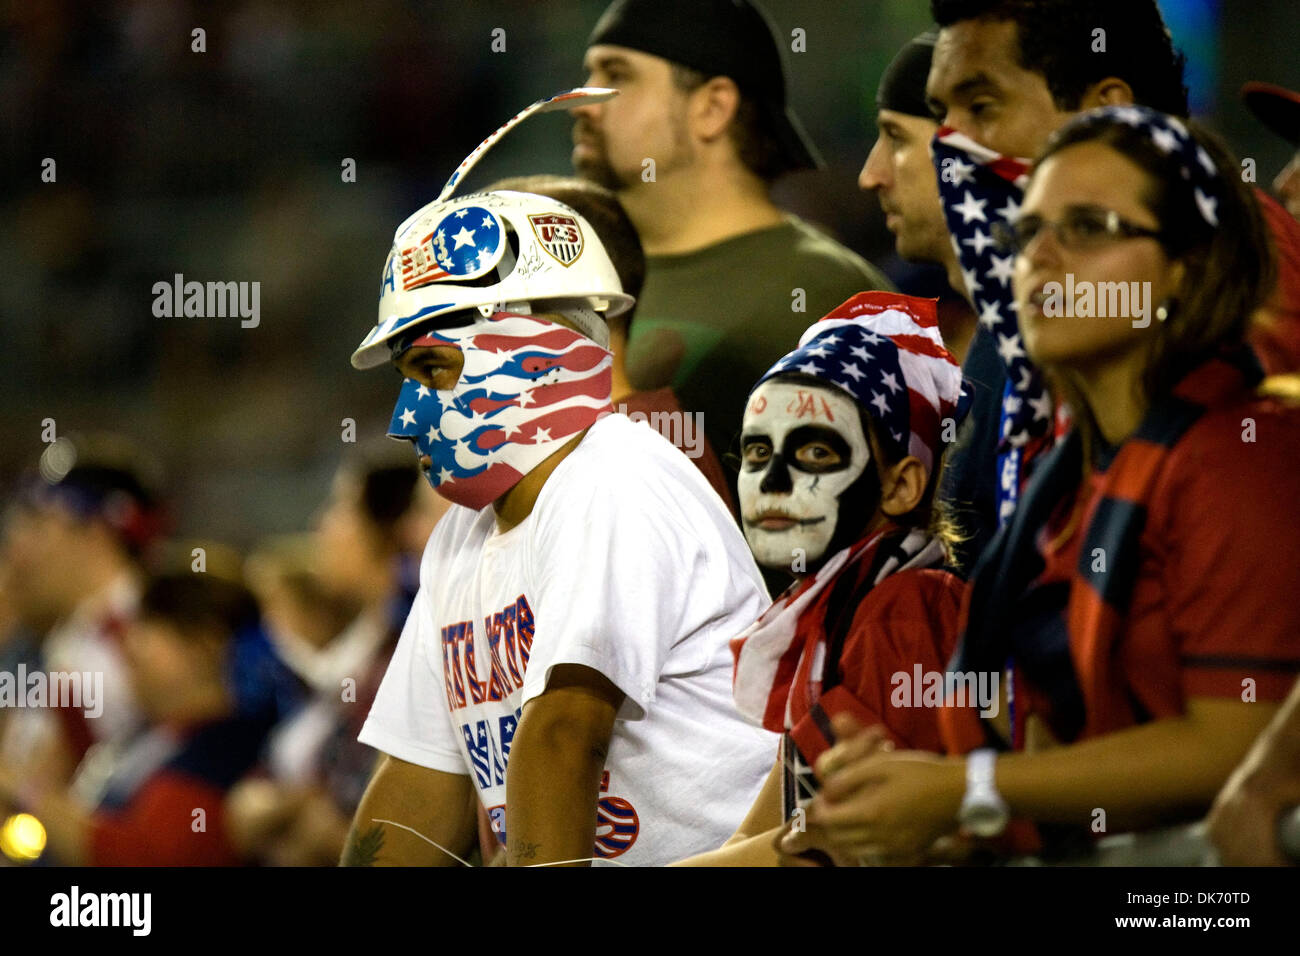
point(210, 691)
point(691, 145)
point(1279, 109)
point(19, 649)
point(303, 614)
point(17, 640)
point(1276, 340)
point(296, 812)
point(74, 542)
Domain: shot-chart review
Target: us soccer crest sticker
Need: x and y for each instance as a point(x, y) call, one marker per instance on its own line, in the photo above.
point(559, 235)
point(465, 244)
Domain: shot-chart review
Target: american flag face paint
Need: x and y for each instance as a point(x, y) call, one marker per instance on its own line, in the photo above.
point(528, 385)
point(802, 447)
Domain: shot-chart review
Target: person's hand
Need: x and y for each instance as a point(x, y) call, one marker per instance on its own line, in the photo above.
point(855, 743)
point(877, 806)
point(787, 858)
point(1242, 823)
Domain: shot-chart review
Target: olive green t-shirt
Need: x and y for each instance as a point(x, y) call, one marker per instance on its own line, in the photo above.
point(709, 323)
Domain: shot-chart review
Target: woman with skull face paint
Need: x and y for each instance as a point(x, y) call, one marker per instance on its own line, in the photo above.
point(841, 443)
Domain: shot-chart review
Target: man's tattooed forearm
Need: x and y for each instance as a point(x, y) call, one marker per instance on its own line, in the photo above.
point(525, 851)
point(362, 849)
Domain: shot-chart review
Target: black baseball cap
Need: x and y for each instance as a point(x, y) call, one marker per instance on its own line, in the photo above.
point(731, 38)
point(1276, 107)
point(902, 85)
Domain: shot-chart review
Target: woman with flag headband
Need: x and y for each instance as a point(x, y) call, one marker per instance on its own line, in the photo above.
point(1149, 638)
point(841, 444)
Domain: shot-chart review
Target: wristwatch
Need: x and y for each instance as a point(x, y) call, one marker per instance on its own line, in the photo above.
point(983, 812)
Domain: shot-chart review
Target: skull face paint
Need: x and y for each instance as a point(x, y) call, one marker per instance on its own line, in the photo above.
point(802, 448)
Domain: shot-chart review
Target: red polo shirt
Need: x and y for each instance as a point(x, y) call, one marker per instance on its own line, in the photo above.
point(1215, 610)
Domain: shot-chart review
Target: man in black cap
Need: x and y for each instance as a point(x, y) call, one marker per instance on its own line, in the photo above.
point(691, 145)
point(899, 171)
point(898, 168)
point(1279, 109)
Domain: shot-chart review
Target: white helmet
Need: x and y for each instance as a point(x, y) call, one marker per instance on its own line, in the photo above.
point(494, 252)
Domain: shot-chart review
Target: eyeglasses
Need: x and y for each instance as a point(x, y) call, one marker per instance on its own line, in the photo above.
point(1082, 228)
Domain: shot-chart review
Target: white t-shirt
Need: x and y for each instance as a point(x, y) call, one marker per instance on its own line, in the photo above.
point(631, 565)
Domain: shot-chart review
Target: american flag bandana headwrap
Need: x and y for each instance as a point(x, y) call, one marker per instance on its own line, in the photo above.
point(527, 387)
point(980, 188)
point(885, 350)
point(1171, 138)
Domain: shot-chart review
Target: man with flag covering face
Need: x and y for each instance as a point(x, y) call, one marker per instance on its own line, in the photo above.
point(565, 664)
point(1005, 75)
point(841, 440)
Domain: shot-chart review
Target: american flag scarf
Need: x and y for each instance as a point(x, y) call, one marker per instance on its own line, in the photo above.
point(768, 652)
point(1097, 607)
point(978, 189)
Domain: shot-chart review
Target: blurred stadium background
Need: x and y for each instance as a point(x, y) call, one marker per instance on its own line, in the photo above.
point(225, 165)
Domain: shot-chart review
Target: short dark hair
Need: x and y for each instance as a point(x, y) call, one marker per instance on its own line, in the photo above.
point(386, 480)
point(600, 207)
point(1056, 40)
point(756, 144)
point(105, 477)
point(197, 604)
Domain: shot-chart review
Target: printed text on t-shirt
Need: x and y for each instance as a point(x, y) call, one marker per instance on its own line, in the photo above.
point(510, 637)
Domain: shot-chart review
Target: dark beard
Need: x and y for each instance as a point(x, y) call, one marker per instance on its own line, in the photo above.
point(596, 168)
point(600, 172)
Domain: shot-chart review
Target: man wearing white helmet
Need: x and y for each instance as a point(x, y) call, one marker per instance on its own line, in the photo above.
point(569, 643)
